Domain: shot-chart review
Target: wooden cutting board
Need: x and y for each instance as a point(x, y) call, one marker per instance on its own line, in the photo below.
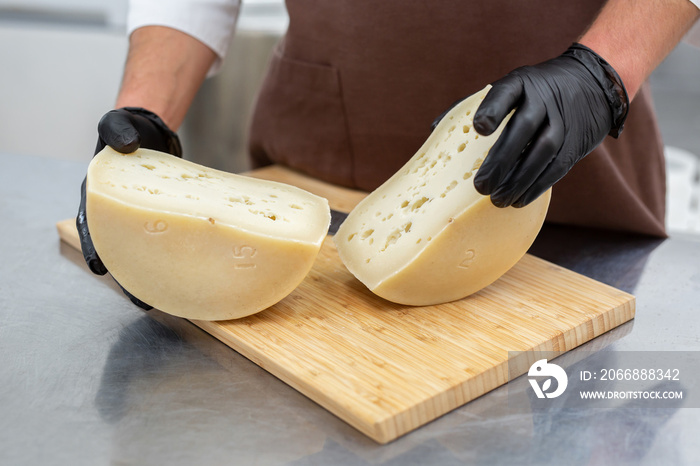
point(386, 368)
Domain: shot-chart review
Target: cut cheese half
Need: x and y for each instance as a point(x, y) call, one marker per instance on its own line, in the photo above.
point(426, 236)
point(196, 242)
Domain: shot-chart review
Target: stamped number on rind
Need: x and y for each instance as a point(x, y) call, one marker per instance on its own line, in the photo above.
point(468, 259)
point(156, 226)
point(243, 256)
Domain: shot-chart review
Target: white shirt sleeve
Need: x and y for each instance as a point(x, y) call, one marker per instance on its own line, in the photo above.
point(212, 22)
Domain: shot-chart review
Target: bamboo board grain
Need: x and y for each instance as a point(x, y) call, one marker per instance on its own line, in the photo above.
point(386, 368)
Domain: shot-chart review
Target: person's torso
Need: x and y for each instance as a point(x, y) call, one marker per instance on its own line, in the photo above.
point(355, 85)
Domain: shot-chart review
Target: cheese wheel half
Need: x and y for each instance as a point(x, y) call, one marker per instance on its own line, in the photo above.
point(426, 236)
point(196, 242)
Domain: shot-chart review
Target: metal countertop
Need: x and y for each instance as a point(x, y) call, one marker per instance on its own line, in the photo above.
point(88, 378)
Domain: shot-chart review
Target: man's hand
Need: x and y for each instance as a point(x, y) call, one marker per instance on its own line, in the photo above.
point(125, 130)
point(163, 71)
point(561, 103)
point(564, 108)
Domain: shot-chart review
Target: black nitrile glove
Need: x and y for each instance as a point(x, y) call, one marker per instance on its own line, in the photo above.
point(565, 108)
point(125, 130)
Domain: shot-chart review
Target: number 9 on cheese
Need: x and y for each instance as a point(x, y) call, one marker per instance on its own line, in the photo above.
point(196, 242)
point(426, 236)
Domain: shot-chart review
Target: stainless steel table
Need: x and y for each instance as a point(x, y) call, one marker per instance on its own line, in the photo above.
point(88, 378)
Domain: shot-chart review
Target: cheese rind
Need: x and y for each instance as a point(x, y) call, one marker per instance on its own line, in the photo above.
point(196, 242)
point(426, 236)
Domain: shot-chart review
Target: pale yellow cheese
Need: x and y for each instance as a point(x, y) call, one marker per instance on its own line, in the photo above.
point(196, 242)
point(426, 236)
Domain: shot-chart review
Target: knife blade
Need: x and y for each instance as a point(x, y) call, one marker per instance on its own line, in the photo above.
point(337, 218)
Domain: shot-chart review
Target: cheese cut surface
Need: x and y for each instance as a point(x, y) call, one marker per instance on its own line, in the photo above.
point(196, 242)
point(426, 236)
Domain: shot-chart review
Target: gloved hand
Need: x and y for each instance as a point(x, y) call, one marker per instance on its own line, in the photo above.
point(125, 130)
point(565, 108)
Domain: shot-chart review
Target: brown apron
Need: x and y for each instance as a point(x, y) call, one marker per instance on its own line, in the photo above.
point(355, 84)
